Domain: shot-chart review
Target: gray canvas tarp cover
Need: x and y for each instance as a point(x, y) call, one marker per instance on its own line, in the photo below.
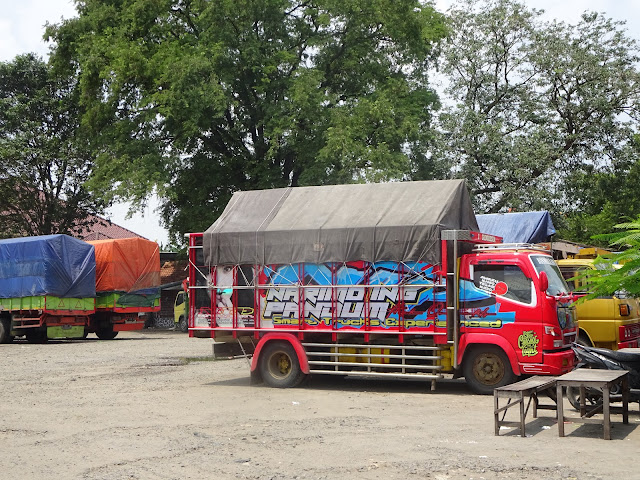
point(396, 222)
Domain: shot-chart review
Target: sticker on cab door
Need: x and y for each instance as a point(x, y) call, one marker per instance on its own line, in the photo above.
point(528, 342)
point(493, 285)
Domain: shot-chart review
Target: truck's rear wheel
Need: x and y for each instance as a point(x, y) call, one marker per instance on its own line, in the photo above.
point(37, 335)
point(5, 330)
point(487, 367)
point(279, 365)
point(106, 333)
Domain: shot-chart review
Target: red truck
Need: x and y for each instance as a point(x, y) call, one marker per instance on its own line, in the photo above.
point(127, 285)
point(383, 280)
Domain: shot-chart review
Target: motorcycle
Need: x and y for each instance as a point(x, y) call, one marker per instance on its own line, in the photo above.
point(602, 358)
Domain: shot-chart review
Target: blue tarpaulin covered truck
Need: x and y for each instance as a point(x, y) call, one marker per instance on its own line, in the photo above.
point(518, 227)
point(47, 287)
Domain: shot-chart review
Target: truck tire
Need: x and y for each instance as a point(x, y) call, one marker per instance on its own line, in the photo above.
point(592, 399)
point(5, 330)
point(279, 365)
point(106, 333)
point(487, 367)
point(36, 335)
point(583, 339)
point(183, 326)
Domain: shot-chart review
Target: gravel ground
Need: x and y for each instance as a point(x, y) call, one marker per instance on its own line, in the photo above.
point(152, 405)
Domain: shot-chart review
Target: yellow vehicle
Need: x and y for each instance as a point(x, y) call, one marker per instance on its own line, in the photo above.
point(180, 312)
point(605, 322)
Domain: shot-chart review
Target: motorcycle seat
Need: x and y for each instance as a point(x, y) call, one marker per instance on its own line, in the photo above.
point(620, 356)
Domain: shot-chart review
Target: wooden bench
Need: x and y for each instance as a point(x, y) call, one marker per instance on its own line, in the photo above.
point(516, 393)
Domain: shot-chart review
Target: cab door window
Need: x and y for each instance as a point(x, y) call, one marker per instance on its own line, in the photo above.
point(180, 298)
point(508, 281)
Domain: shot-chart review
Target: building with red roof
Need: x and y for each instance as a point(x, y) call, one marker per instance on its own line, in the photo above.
point(102, 229)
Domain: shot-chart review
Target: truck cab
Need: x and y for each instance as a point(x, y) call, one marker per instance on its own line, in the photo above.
point(605, 322)
point(514, 298)
point(180, 312)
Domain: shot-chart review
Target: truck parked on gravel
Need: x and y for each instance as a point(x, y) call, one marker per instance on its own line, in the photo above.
point(383, 280)
point(180, 311)
point(127, 285)
point(47, 287)
point(606, 322)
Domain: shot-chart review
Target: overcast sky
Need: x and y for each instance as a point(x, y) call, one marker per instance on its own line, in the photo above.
point(22, 27)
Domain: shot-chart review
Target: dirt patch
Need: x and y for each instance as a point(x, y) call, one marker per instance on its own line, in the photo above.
point(152, 405)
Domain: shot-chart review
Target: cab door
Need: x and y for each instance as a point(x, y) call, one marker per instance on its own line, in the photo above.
point(179, 307)
point(500, 298)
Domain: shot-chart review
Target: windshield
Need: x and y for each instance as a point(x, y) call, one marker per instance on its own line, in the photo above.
point(544, 263)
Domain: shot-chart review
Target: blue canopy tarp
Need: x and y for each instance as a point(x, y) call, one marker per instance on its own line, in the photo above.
point(56, 265)
point(518, 227)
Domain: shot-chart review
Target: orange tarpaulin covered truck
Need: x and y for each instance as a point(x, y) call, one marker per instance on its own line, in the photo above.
point(127, 285)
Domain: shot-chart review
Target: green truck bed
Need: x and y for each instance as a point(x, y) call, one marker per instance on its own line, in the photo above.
point(49, 304)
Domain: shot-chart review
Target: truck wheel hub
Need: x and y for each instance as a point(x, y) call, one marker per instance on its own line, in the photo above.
point(489, 369)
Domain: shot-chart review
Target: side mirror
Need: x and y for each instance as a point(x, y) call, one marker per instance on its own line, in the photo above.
point(544, 281)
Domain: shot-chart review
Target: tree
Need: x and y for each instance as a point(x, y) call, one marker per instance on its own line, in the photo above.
point(607, 198)
point(535, 108)
point(197, 99)
point(619, 272)
point(43, 165)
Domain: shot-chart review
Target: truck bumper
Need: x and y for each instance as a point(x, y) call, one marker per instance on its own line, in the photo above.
point(628, 344)
point(127, 327)
point(555, 363)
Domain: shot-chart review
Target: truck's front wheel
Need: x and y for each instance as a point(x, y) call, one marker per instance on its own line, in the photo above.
point(487, 367)
point(279, 365)
point(583, 339)
point(183, 326)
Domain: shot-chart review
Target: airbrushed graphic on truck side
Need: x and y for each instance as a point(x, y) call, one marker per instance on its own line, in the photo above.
point(390, 294)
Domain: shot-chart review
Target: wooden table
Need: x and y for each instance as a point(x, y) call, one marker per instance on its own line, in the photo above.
point(602, 380)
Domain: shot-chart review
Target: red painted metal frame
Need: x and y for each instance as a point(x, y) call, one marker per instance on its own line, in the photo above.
point(234, 301)
point(443, 264)
point(127, 327)
point(257, 319)
point(67, 319)
point(192, 281)
point(129, 309)
point(401, 305)
point(367, 304)
point(301, 301)
point(334, 302)
point(214, 299)
point(477, 237)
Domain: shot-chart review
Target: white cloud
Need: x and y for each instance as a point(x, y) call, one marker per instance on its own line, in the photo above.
point(22, 25)
point(569, 11)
